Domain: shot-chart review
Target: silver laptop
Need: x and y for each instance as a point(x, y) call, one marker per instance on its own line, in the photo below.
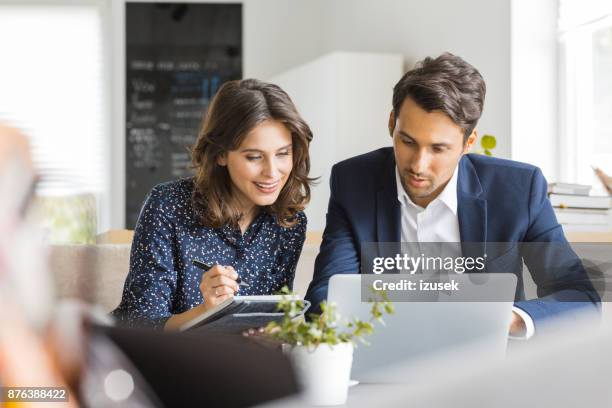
point(420, 329)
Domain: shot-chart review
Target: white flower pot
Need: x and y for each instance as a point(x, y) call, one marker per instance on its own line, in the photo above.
point(323, 372)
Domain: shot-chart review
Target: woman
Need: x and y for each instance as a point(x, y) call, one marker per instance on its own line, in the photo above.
point(242, 213)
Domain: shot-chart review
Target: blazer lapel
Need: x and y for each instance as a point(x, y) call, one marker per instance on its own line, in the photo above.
point(387, 206)
point(471, 210)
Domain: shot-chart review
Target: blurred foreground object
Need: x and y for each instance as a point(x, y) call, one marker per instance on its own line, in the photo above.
point(566, 366)
point(23, 276)
point(26, 296)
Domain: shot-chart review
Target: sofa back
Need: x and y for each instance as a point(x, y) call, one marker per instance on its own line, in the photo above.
point(96, 273)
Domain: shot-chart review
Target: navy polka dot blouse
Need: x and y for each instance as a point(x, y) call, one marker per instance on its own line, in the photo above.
point(162, 280)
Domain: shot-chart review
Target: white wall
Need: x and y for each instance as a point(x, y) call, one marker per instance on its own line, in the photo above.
point(476, 30)
point(534, 85)
point(282, 34)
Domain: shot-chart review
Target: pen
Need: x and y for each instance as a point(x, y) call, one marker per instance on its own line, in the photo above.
point(204, 266)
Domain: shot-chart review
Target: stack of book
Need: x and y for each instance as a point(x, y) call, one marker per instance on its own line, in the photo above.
point(577, 210)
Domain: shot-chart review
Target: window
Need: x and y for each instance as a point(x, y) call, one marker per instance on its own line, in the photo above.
point(52, 88)
point(585, 39)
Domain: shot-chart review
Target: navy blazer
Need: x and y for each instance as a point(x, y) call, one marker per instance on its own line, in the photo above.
point(497, 201)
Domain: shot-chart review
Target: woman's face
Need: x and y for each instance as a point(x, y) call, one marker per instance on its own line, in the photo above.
point(261, 165)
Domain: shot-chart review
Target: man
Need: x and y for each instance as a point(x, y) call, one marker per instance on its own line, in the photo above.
point(428, 189)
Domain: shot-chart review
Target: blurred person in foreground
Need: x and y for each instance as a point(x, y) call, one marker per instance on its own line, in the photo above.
point(27, 358)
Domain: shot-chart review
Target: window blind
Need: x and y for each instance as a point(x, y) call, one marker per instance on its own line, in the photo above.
point(51, 87)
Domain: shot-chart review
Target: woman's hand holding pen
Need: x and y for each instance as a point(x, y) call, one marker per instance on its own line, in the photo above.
point(217, 284)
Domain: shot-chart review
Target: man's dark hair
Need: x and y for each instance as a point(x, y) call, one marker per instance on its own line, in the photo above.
point(446, 83)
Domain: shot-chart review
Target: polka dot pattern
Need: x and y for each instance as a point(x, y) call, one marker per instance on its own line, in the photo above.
point(162, 279)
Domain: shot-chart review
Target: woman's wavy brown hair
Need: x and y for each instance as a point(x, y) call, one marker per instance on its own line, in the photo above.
point(237, 108)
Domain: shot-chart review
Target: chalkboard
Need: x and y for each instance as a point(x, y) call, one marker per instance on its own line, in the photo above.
point(177, 56)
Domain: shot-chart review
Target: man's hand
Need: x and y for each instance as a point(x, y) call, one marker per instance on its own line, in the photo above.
point(517, 326)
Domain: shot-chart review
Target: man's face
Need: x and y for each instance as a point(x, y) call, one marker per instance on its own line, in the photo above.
point(427, 147)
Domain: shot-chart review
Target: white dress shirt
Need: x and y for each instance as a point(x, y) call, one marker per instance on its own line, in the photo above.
point(439, 222)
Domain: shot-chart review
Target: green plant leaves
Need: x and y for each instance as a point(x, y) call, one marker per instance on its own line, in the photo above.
point(324, 328)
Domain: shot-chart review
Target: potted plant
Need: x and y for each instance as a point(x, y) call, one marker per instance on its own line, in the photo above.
point(322, 346)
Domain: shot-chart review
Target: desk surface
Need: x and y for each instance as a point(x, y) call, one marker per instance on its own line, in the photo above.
point(565, 368)
point(360, 395)
point(370, 394)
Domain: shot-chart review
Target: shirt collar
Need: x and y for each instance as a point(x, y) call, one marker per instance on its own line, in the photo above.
point(448, 196)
